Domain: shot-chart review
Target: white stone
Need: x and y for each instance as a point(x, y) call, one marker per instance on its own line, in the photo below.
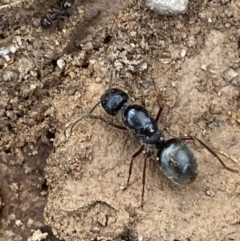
point(4, 52)
point(168, 7)
point(210, 20)
point(204, 67)
point(60, 63)
point(38, 236)
point(229, 75)
point(13, 49)
point(144, 66)
point(18, 223)
point(183, 53)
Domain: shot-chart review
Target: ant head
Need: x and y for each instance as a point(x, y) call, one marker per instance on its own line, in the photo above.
point(113, 100)
point(178, 161)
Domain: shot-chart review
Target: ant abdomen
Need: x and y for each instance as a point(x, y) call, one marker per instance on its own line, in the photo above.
point(178, 161)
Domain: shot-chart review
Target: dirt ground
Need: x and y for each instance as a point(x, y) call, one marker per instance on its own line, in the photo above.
point(71, 186)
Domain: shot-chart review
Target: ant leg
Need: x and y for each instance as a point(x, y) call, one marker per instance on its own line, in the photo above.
point(159, 111)
point(131, 163)
point(159, 114)
point(59, 3)
point(147, 155)
point(143, 102)
point(209, 149)
point(109, 123)
point(220, 152)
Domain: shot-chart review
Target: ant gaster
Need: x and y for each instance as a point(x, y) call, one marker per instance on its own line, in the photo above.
point(175, 157)
point(65, 10)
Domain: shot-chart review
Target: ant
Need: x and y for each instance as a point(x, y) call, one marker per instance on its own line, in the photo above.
point(175, 157)
point(65, 10)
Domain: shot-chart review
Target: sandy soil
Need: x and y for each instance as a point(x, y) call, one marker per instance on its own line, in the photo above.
point(71, 186)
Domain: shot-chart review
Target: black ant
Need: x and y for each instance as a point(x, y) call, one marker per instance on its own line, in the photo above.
point(65, 10)
point(175, 157)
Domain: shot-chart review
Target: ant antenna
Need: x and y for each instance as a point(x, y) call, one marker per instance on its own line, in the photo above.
point(84, 116)
point(111, 76)
point(95, 106)
point(66, 133)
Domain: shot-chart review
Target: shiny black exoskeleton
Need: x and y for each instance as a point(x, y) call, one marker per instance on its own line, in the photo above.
point(113, 100)
point(135, 117)
point(175, 157)
point(65, 10)
point(141, 124)
point(178, 161)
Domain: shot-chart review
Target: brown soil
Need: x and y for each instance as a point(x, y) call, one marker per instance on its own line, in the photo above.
point(70, 185)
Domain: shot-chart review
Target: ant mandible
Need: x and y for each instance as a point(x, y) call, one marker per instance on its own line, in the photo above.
point(175, 157)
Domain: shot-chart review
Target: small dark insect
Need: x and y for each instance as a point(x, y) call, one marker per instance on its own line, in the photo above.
point(175, 157)
point(65, 10)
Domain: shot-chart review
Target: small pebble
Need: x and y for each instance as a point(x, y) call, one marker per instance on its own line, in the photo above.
point(18, 223)
point(98, 80)
point(36, 22)
point(204, 67)
point(60, 63)
point(168, 7)
point(43, 193)
point(210, 193)
point(4, 52)
point(133, 34)
point(13, 49)
point(183, 53)
point(140, 238)
point(144, 66)
point(27, 170)
point(7, 58)
point(229, 75)
point(71, 91)
point(38, 236)
point(227, 25)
